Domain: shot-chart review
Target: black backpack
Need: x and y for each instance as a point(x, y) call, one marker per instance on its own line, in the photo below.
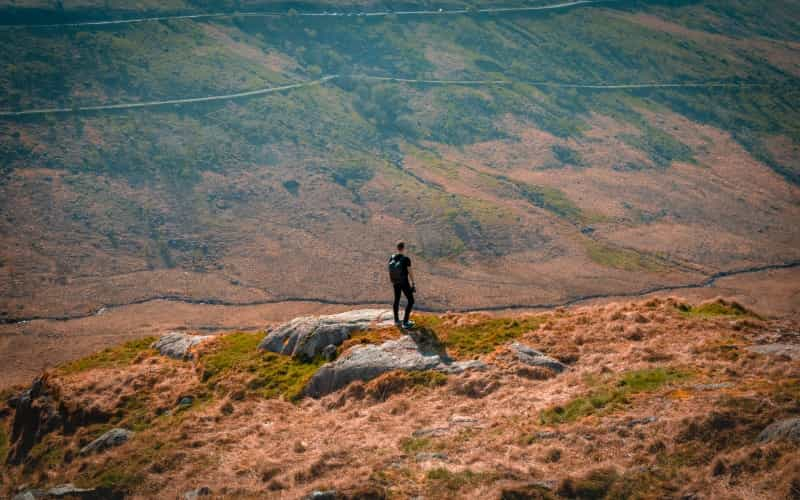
point(397, 269)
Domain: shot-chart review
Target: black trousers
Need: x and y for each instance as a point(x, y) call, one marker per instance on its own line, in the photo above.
point(405, 288)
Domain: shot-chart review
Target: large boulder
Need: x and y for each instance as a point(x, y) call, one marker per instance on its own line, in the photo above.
point(110, 439)
point(365, 362)
point(36, 414)
point(306, 337)
point(177, 345)
point(783, 430)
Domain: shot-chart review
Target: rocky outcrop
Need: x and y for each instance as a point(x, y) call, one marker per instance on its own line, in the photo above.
point(308, 336)
point(784, 430)
point(39, 411)
point(68, 490)
point(177, 345)
point(110, 439)
point(789, 350)
point(36, 414)
point(365, 362)
point(532, 357)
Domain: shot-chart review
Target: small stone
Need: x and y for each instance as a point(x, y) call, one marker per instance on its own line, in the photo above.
point(177, 345)
point(323, 495)
point(431, 432)
point(202, 491)
point(110, 439)
point(186, 401)
point(426, 456)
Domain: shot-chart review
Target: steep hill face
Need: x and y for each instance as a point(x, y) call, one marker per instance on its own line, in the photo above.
point(656, 399)
point(491, 141)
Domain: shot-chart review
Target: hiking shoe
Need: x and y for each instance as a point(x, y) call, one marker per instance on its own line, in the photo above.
point(408, 324)
point(397, 322)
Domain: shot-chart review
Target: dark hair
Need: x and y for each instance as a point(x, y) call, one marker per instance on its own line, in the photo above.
point(401, 245)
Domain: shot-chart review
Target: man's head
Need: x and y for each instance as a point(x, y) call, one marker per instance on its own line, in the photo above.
point(401, 246)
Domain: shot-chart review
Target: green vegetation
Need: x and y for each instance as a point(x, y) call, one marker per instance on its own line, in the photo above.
point(718, 307)
point(482, 336)
point(269, 374)
point(3, 442)
point(611, 396)
point(441, 479)
point(113, 357)
point(626, 259)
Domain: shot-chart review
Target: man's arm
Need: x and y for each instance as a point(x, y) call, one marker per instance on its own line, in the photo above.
point(410, 273)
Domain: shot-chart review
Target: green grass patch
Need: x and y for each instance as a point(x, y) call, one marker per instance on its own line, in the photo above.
point(416, 445)
point(442, 479)
point(3, 443)
point(607, 398)
point(622, 258)
point(481, 337)
point(113, 357)
point(270, 375)
point(716, 308)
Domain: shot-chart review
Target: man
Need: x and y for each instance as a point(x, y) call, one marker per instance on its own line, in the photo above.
point(402, 278)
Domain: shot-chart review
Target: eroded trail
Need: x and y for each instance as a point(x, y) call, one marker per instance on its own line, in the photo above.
point(383, 13)
point(708, 282)
point(371, 78)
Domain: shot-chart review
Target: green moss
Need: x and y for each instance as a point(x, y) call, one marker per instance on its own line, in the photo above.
point(270, 375)
point(613, 395)
point(718, 307)
point(3, 442)
point(416, 445)
point(481, 337)
point(442, 479)
point(622, 258)
point(114, 357)
point(595, 485)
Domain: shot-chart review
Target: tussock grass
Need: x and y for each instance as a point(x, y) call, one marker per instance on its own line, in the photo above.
point(606, 398)
point(113, 357)
point(443, 479)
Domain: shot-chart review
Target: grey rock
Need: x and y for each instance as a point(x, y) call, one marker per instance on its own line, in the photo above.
point(202, 491)
point(323, 495)
point(177, 345)
point(463, 420)
point(532, 357)
point(329, 352)
point(186, 401)
point(642, 421)
point(28, 495)
point(427, 456)
point(790, 350)
point(307, 336)
point(430, 432)
point(365, 362)
point(68, 490)
point(110, 439)
point(788, 430)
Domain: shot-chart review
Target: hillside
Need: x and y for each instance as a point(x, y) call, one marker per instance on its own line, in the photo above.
point(653, 399)
point(496, 143)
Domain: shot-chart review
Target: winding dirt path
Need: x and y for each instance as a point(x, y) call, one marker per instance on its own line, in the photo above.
point(383, 13)
point(412, 81)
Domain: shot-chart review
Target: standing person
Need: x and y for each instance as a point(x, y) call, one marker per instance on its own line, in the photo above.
point(402, 278)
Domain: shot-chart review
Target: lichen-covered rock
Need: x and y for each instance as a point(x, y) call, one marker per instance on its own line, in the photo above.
point(177, 345)
point(307, 336)
point(784, 430)
point(365, 362)
point(110, 439)
point(68, 490)
point(789, 350)
point(533, 357)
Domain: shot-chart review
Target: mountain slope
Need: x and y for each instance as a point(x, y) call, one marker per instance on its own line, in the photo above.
point(510, 194)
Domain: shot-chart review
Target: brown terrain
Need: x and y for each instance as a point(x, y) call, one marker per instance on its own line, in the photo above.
point(660, 399)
